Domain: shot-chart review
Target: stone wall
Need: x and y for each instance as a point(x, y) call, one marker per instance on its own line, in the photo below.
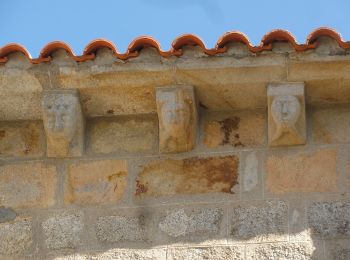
point(233, 196)
point(237, 199)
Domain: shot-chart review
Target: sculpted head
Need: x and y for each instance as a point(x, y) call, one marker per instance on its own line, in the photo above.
point(60, 114)
point(285, 110)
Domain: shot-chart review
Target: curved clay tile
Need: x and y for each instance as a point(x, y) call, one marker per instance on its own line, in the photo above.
point(54, 46)
point(96, 44)
point(280, 35)
point(329, 32)
point(177, 45)
point(239, 37)
point(147, 41)
point(51, 47)
point(233, 37)
point(142, 42)
point(193, 40)
point(13, 47)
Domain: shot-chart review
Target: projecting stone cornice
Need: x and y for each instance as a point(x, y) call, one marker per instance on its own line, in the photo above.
point(234, 80)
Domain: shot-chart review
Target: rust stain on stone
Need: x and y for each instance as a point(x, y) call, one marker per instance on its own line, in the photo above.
point(114, 178)
point(31, 139)
point(189, 176)
point(227, 126)
point(140, 188)
point(2, 133)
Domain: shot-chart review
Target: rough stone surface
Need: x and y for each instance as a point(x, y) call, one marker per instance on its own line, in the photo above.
point(7, 214)
point(126, 254)
point(237, 130)
point(92, 182)
point(201, 253)
point(15, 237)
point(188, 176)
point(330, 219)
point(338, 249)
point(295, 251)
point(27, 185)
point(259, 223)
point(63, 231)
point(177, 114)
point(18, 139)
point(125, 135)
point(64, 123)
point(330, 125)
point(178, 223)
point(302, 172)
point(120, 228)
point(286, 114)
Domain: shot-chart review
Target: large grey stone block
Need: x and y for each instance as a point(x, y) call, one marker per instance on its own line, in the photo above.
point(120, 228)
point(330, 219)
point(259, 222)
point(63, 230)
point(15, 238)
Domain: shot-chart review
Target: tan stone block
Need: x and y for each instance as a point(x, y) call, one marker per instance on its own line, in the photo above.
point(302, 172)
point(177, 115)
point(238, 129)
point(22, 139)
point(327, 78)
point(96, 182)
point(124, 135)
point(286, 114)
point(188, 176)
point(28, 185)
point(331, 125)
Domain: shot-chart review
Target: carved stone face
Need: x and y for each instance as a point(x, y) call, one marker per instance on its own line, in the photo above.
point(60, 113)
point(285, 110)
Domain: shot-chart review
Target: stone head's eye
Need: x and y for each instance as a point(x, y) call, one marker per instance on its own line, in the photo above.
point(49, 107)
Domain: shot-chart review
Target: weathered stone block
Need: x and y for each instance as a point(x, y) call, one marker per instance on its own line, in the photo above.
point(179, 223)
point(21, 139)
point(95, 182)
point(260, 223)
point(188, 176)
point(302, 172)
point(237, 130)
point(338, 249)
point(125, 135)
point(64, 123)
point(27, 185)
point(121, 228)
point(15, 237)
point(177, 114)
point(251, 176)
point(330, 219)
point(125, 254)
point(63, 230)
point(297, 251)
point(331, 125)
point(199, 253)
point(286, 114)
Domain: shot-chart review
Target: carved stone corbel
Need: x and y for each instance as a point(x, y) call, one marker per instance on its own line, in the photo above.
point(63, 122)
point(286, 114)
point(177, 114)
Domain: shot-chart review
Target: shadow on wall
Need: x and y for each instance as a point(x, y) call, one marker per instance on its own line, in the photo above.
point(272, 229)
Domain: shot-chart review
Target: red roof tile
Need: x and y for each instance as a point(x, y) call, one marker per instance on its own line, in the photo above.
point(184, 40)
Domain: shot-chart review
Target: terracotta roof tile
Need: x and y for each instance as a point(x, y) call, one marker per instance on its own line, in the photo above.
point(184, 40)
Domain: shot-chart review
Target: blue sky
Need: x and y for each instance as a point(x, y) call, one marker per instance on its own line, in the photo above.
point(34, 23)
